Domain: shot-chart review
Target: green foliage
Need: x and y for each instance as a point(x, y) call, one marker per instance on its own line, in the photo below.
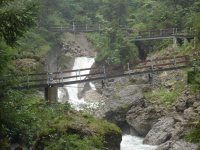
point(194, 19)
point(116, 52)
point(64, 133)
point(194, 136)
point(15, 22)
point(124, 107)
point(152, 14)
point(164, 95)
point(115, 10)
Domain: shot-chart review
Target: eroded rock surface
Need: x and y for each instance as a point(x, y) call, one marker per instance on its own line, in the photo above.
point(161, 132)
point(143, 119)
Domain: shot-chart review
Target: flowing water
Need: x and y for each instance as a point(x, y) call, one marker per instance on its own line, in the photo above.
point(134, 143)
point(78, 104)
point(128, 142)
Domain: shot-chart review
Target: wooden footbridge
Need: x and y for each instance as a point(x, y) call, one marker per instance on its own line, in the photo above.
point(131, 34)
point(103, 73)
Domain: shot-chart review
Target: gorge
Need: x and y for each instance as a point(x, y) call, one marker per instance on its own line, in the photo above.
point(145, 93)
point(124, 103)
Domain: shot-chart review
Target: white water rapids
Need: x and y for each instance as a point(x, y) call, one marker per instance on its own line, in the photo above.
point(134, 143)
point(128, 142)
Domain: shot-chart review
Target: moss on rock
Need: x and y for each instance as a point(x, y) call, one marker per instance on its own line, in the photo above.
point(79, 130)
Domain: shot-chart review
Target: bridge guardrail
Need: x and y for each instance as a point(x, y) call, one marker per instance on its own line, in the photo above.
point(48, 79)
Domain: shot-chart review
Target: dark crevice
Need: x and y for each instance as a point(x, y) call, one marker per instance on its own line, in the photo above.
point(141, 52)
point(124, 126)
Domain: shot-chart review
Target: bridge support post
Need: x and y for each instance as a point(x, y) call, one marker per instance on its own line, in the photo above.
point(175, 42)
point(51, 94)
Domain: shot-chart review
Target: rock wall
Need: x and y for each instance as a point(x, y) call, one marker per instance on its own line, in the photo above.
point(61, 56)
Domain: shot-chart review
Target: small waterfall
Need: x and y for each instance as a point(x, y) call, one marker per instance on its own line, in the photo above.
point(80, 63)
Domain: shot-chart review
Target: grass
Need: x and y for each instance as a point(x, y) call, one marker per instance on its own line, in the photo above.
point(164, 95)
point(117, 97)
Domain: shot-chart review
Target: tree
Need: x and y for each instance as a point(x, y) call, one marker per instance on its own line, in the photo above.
point(115, 11)
point(13, 25)
point(16, 22)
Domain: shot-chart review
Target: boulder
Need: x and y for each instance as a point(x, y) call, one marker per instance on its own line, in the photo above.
point(118, 102)
point(143, 119)
point(82, 89)
point(161, 132)
point(92, 96)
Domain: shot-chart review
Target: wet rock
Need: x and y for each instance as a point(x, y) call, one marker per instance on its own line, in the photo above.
point(133, 132)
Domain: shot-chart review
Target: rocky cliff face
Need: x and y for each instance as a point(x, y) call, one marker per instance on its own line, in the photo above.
point(61, 56)
point(161, 112)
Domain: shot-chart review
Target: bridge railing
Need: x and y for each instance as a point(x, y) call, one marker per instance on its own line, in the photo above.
point(128, 32)
point(77, 28)
point(101, 73)
point(160, 33)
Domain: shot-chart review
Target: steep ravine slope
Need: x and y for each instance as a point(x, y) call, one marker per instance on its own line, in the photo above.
point(161, 112)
